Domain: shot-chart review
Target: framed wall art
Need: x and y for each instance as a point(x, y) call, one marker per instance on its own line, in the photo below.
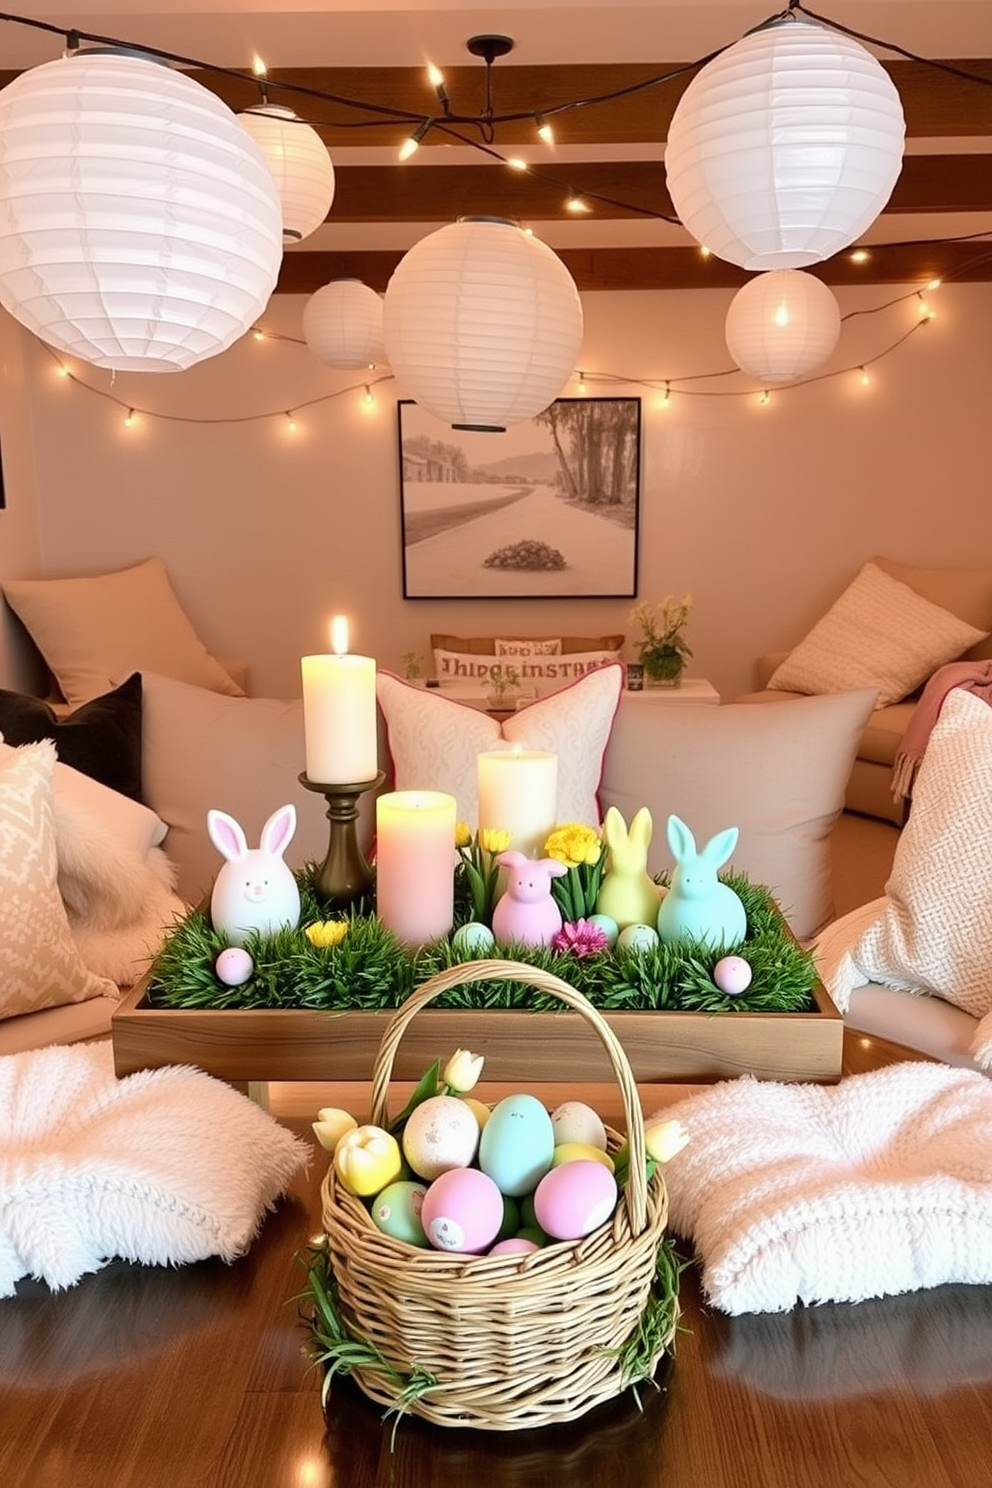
point(546, 509)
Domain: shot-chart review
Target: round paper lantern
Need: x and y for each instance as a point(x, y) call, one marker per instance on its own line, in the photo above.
point(139, 225)
point(342, 325)
point(482, 324)
point(300, 166)
point(785, 147)
point(782, 325)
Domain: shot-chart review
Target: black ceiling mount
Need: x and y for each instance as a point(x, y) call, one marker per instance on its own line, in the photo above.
point(489, 47)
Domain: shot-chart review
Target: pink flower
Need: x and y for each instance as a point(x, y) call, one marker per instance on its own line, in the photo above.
point(579, 938)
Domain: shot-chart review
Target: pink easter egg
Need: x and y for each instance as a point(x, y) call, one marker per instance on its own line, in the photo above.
point(462, 1211)
point(516, 1245)
point(575, 1199)
point(234, 966)
point(732, 974)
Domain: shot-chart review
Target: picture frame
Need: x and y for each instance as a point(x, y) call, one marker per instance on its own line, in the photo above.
point(547, 509)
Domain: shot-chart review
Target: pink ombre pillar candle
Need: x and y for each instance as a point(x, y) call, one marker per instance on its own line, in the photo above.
point(415, 864)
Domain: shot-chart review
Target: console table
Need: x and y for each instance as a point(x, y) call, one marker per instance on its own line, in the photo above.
point(689, 690)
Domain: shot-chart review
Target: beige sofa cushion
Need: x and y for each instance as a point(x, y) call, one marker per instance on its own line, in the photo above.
point(966, 592)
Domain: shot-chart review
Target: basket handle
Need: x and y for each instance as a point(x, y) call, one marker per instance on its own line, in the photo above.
point(635, 1189)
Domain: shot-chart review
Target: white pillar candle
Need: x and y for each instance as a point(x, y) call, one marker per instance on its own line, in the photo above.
point(415, 864)
point(339, 717)
point(518, 793)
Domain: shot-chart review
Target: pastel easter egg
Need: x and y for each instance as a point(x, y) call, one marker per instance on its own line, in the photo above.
point(575, 1199)
point(638, 938)
point(440, 1133)
point(516, 1147)
point(607, 924)
point(574, 1121)
point(396, 1212)
point(573, 1151)
point(234, 966)
point(473, 939)
point(732, 974)
point(515, 1246)
point(462, 1211)
point(480, 1109)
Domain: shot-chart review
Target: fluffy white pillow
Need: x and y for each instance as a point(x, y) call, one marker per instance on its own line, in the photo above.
point(935, 929)
point(164, 1167)
point(880, 634)
point(128, 822)
point(435, 743)
point(805, 1193)
point(94, 631)
point(777, 771)
point(40, 966)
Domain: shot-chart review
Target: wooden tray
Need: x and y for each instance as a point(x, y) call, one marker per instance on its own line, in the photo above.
point(298, 1044)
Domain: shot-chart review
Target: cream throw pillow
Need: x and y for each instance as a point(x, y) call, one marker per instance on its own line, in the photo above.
point(39, 964)
point(94, 631)
point(879, 633)
point(934, 932)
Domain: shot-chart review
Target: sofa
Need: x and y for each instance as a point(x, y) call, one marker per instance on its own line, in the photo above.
point(963, 593)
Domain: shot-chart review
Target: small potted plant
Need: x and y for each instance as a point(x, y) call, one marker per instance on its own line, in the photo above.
point(662, 649)
point(503, 682)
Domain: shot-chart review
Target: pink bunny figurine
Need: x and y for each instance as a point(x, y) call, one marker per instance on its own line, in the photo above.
point(628, 894)
point(698, 906)
point(254, 890)
point(527, 913)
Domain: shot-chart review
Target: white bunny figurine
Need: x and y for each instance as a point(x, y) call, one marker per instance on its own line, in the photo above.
point(629, 895)
point(254, 889)
point(698, 905)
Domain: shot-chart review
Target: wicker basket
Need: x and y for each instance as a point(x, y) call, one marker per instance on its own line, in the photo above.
point(512, 1341)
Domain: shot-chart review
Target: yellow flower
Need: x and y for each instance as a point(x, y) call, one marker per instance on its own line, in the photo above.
point(493, 841)
point(574, 844)
point(326, 932)
point(663, 1139)
point(462, 1071)
point(463, 834)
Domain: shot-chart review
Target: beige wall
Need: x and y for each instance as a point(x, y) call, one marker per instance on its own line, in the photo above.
point(762, 513)
point(20, 547)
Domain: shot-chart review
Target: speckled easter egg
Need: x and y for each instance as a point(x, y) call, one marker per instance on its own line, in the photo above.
point(234, 966)
point(574, 1121)
point(516, 1147)
point(473, 939)
point(575, 1199)
point(638, 938)
point(608, 925)
point(441, 1133)
point(732, 974)
point(462, 1211)
point(396, 1212)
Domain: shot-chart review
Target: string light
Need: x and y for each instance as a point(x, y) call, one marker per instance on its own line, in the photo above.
point(704, 252)
point(582, 385)
point(62, 370)
point(544, 130)
point(666, 397)
point(410, 146)
point(576, 203)
point(369, 399)
point(291, 422)
point(436, 79)
point(863, 377)
point(259, 335)
point(129, 420)
point(764, 398)
point(515, 163)
point(860, 256)
point(926, 313)
point(258, 67)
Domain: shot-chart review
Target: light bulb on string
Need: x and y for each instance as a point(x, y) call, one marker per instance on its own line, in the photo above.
point(290, 422)
point(666, 397)
point(369, 398)
point(582, 385)
point(576, 204)
point(410, 146)
point(436, 79)
point(864, 377)
point(129, 420)
point(860, 256)
point(544, 130)
point(764, 398)
point(515, 163)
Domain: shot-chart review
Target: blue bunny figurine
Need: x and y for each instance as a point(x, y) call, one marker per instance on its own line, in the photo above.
point(698, 906)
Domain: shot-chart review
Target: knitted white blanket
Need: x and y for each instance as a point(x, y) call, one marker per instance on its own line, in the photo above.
point(809, 1193)
point(163, 1167)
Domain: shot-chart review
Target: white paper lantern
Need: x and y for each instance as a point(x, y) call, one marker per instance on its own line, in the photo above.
point(139, 225)
point(482, 324)
point(785, 147)
point(300, 165)
point(342, 325)
point(782, 325)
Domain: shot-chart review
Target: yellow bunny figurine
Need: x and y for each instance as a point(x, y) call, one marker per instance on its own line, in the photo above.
point(629, 895)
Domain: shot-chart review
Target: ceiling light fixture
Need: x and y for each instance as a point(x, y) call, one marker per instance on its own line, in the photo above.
point(300, 165)
point(782, 325)
point(411, 145)
point(785, 147)
point(342, 325)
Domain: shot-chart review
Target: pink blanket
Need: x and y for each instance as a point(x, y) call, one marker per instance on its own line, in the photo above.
point(973, 676)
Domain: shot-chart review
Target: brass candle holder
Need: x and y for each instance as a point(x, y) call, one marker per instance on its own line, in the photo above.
point(344, 876)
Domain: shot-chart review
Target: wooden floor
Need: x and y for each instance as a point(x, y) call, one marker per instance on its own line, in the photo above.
point(196, 1378)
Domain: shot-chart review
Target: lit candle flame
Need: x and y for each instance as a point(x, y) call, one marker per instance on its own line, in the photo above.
point(339, 635)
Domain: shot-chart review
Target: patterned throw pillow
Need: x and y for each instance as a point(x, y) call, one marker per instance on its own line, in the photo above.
point(551, 646)
point(877, 634)
point(39, 964)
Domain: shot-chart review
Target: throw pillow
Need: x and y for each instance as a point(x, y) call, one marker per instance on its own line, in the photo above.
point(880, 634)
point(935, 928)
point(486, 645)
point(94, 631)
point(239, 755)
point(545, 672)
point(434, 743)
point(128, 822)
point(805, 1193)
point(777, 771)
point(966, 592)
point(39, 964)
point(164, 1167)
point(549, 647)
point(101, 739)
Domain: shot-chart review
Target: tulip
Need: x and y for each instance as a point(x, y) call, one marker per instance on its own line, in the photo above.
point(367, 1160)
point(331, 1125)
point(663, 1139)
point(462, 1071)
point(326, 932)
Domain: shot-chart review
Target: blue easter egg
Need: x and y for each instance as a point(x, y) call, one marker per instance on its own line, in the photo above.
point(473, 939)
point(517, 1144)
point(234, 966)
point(638, 938)
point(608, 925)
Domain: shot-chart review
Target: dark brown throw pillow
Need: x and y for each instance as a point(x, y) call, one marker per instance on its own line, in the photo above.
point(102, 738)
